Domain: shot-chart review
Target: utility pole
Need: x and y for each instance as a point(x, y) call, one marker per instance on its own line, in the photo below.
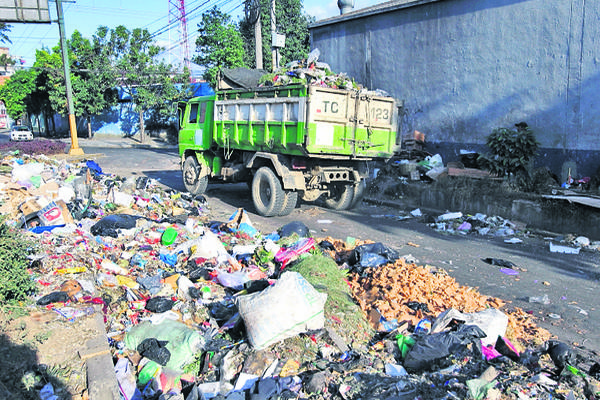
point(75, 149)
point(258, 42)
point(273, 32)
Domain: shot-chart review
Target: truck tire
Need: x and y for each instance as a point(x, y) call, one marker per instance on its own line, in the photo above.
point(191, 181)
point(341, 197)
point(291, 199)
point(359, 193)
point(267, 194)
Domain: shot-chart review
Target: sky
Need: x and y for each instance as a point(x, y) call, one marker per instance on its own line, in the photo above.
point(86, 15)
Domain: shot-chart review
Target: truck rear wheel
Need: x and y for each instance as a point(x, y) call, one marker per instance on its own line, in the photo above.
point(267, 194)
point(341, 197)
point(359, 193)
point(191, 180)
point(291, 199)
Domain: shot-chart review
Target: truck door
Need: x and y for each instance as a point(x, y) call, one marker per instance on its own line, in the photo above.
point(195, 124)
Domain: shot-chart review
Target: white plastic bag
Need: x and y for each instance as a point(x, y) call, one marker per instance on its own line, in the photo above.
point(289, 307)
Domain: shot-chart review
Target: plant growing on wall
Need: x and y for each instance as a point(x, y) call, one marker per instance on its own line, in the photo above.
point(511, 152)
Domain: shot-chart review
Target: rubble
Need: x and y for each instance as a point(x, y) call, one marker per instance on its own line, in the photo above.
point(198, 309)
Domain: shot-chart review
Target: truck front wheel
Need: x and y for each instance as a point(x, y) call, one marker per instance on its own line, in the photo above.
point(267, 194)
point(340, 197)
point(191, 176)
point(289, 204)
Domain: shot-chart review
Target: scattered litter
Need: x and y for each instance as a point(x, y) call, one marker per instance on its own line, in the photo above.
point(555, 248)
point(218, 309)
point(539, 299)
point(500, 262)
point(513, 240)
point(416, 212)
point(509, 271)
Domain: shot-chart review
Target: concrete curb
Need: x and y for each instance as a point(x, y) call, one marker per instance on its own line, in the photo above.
point(102, 381)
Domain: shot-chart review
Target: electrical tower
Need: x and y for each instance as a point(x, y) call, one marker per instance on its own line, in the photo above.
point(177, 13)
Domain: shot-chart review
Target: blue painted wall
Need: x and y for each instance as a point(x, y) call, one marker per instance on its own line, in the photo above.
point(122, 119)
point(465, 67)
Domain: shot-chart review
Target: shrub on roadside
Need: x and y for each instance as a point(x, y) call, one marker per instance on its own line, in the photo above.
point(511, 153)
point(15, 281)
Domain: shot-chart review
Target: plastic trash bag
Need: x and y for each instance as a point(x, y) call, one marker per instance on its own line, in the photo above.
point(285, 309)
point(159, 304)
point(109, 225)
point(182, 342)
point(296, 227)
point(234, 280)
point(208, 246)
point(154, 350)
point(126, 377)
point(371, 255)
point(54, 297)
point(499, 262)
point(284, 256)
point(431, 348)
point(240, 222)
point(491, 321)
point(560, 353)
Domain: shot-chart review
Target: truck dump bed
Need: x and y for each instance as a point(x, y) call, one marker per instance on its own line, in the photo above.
point(306, 120)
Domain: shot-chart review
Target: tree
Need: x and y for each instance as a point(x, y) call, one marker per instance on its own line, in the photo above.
point(4, 30)
point(291, 21)
point(219, 45)
point(16, 92)
point(151, 83)
point(93, 76)
point(5, 61)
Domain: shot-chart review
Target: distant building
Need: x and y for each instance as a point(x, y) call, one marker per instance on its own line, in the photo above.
point(4, 121)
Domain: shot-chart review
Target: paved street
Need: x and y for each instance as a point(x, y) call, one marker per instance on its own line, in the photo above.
point(570, 281)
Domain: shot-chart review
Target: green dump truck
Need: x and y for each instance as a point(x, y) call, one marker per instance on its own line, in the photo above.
point(287, 142)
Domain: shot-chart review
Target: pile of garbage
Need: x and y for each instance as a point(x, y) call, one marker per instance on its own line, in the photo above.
point(201, 309)
point(313, 72)
point(457, 223)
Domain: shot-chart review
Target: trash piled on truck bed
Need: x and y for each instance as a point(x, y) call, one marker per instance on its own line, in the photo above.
point(311, 71)
point(201, 309)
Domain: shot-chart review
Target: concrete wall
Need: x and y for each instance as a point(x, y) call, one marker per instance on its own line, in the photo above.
point(465, 67)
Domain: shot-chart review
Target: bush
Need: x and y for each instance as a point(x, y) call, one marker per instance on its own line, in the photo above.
point(15, 282)
point(512, 151)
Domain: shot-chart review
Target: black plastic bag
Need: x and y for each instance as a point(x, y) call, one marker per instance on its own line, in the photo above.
point(256, 285)
point(429, 349)
point(506, 350)
point(372, 255)
point(595, 371)
point(499, 262)
point(296, 227)
point(415, 305)
point(326, 245)
point(159, 304)
point(108, 225)
point(54, 297)
point(155, 350)
point(560, 353)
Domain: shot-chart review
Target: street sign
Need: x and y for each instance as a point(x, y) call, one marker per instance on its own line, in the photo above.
point(30, 11)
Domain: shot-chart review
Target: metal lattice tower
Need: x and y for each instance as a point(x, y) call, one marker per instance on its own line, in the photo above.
point(177, 13)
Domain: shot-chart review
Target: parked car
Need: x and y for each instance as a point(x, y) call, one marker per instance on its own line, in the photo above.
point(19, 133)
